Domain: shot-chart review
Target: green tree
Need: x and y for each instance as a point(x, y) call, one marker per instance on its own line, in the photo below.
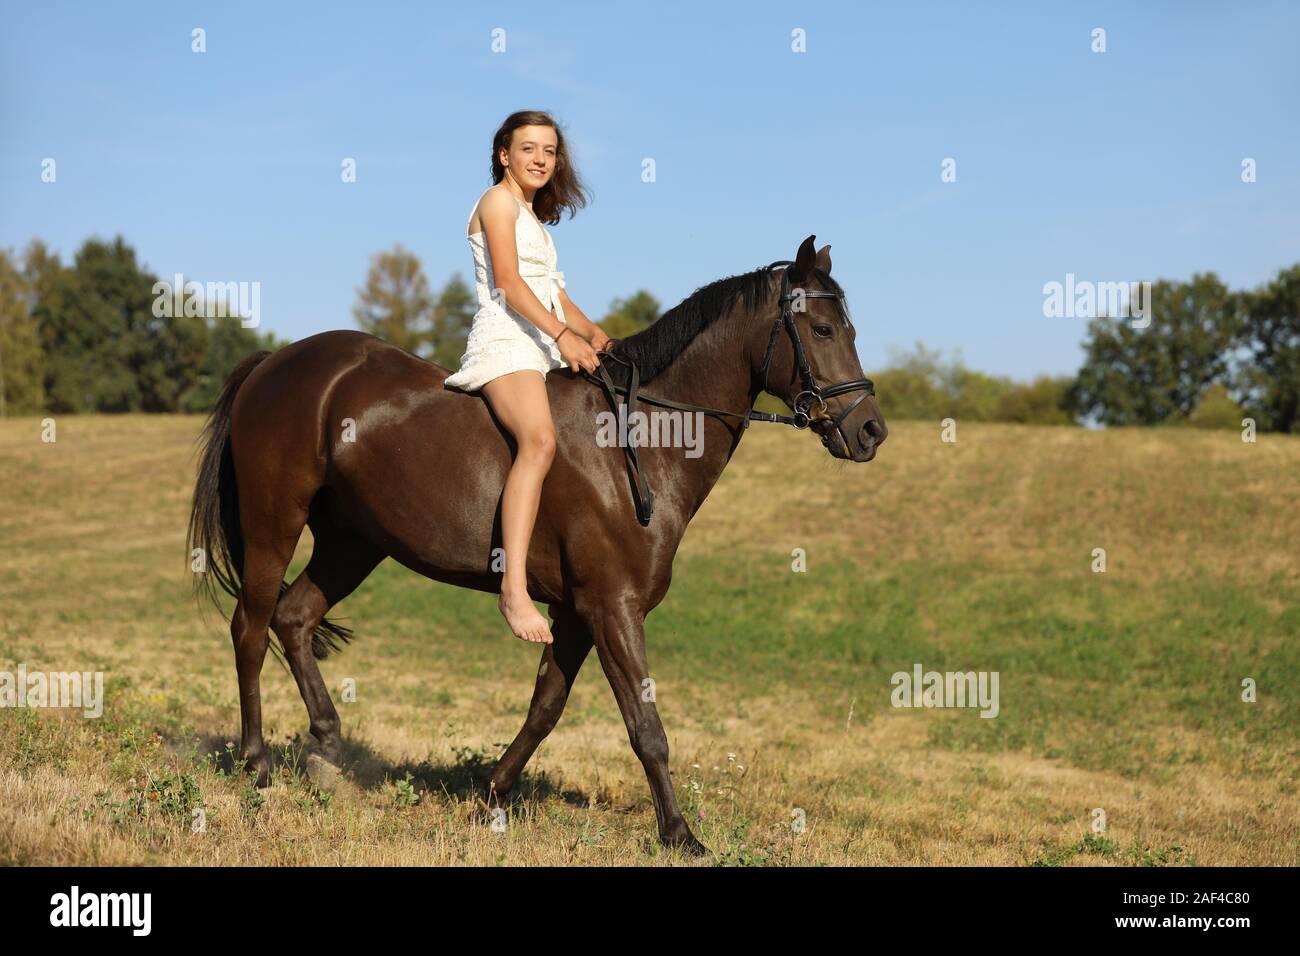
point(104, 348)
point(1044, 401)
point(452, 317)
point(1270, 330)
point(976, 395)
point(395, 303)
point(922, 384)
point(1144, 376)
point(629, 316)
point(228, 343)
point(22, 364)
point(1216, 409)
point(912, 386)
point(83, 339)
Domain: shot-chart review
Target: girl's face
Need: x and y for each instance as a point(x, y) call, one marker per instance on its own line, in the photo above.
point(531, 157)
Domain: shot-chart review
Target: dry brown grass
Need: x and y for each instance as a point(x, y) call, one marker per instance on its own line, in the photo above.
point(93, 576)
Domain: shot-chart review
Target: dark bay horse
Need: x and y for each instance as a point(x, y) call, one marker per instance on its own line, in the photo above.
point(359, 440)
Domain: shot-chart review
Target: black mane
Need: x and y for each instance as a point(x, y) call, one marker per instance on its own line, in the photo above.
point(653, 349)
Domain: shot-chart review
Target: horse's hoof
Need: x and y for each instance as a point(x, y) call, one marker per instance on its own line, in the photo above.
point(261, 768)
point(687, 844)
point(694, 847)
point(321, 772)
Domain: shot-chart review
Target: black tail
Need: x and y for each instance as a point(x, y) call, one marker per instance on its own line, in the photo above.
point(214, 516)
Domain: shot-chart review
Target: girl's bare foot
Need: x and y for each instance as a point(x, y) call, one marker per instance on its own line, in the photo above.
point(523, 618)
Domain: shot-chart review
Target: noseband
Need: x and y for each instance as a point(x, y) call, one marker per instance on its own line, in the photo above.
point(643, 497)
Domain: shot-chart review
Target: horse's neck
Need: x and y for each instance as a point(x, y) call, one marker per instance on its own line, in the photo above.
point(712, 372)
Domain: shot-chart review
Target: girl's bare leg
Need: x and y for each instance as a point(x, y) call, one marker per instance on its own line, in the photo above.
point(521, 403)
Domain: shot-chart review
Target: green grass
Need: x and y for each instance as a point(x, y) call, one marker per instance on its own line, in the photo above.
point(1119, 690)
point(1098, 671)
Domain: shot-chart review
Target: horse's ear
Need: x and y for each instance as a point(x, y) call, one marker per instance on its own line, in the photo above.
point(804, 261)
point(824, 259)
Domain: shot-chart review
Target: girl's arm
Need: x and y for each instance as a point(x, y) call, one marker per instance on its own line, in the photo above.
point(578, 321)
point(498, 213)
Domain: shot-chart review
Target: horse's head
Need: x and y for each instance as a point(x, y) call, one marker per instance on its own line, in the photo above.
point(806, 357)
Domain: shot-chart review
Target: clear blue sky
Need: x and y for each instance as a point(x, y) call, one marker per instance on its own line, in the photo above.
point(1115, 166)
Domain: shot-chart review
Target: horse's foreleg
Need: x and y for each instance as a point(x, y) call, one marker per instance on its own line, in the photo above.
point(561, 661)
point(620, 644)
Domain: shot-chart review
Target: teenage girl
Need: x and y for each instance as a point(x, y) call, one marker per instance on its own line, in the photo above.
point(528, 328)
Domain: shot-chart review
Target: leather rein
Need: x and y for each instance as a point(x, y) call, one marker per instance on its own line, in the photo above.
point(812, 393)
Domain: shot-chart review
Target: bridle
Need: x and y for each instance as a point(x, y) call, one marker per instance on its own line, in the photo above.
point(812, 393)
point(815, 392)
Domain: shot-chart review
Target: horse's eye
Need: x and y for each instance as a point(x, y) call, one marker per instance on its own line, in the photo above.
point(822, 331)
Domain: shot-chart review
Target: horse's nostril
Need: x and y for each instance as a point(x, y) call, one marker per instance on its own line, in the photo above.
point(871, 434)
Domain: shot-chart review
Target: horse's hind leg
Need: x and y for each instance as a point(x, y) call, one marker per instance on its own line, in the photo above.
point(340, 561)
point(267, 553)
point(561, 661)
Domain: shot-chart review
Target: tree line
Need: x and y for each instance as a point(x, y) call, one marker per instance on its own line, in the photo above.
point(83, 337)
point(1209, 357)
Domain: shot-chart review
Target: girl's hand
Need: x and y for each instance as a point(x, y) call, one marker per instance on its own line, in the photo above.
point(600, 341)
point(575, 350)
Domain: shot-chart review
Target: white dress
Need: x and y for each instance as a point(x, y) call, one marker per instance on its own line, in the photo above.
point(500, 339)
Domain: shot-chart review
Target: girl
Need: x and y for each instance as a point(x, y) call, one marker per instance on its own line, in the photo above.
point(534, 328)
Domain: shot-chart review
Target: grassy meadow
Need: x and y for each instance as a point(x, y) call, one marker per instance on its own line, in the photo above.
point(1118, 690)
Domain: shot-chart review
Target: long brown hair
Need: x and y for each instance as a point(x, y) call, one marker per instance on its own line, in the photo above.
point(565, 189)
